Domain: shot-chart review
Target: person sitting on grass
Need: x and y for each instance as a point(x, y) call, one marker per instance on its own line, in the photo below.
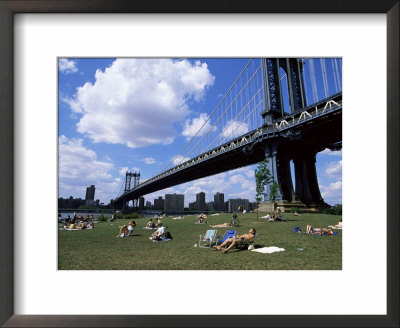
point(150, 224)
point(125, 230)
point(318, 231)
point(80, 226)
point(248, 237)
point(222, 225)
point(158, 234)
point(201, 218)
point(158, 224)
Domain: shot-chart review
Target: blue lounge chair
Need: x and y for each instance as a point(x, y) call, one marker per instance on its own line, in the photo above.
point(208, 239)
point(228, 234)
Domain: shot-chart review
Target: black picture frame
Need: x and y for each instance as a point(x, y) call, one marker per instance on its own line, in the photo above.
point(10, 7)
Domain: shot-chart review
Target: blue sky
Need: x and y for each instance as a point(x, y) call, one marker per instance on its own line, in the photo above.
point(137, 114)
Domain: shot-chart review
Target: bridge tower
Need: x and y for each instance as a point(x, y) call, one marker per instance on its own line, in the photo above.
point(128, 183)
point(281, 151)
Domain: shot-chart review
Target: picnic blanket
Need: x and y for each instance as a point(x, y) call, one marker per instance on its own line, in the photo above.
point(268, 250)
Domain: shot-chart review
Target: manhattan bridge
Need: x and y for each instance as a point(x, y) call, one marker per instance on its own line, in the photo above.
point(283, 109)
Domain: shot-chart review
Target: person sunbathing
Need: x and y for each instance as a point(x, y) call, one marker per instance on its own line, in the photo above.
point(248, 237)
point(318, 231)
point(338, 226)
point(158, 224)
point(222, 225)
point(178, 218)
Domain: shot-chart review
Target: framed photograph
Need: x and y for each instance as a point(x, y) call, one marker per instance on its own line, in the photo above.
point(36, 35)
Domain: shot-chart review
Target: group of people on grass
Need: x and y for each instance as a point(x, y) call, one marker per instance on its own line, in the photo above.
point(81, 225)
point(273, 217)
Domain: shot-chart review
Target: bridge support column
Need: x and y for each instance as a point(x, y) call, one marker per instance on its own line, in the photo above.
point(313, 180)
point(285, 177)
point(280, 170)
point(307, 189)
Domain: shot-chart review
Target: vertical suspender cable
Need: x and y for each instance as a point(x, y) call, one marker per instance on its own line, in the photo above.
point(324, 77)
point(334, 75)
point(313, 81)
point(337, 74)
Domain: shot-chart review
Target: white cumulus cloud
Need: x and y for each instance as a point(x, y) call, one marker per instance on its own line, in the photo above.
point(149, 160)
point(179, 159)
point(332, 193)
point(235, 129)
point(334, 170)
point(79, 167)
point(136, 102)
point(193, 126)
point(67, 66)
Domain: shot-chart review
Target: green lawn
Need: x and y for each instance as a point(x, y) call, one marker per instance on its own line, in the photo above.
point(99, 249)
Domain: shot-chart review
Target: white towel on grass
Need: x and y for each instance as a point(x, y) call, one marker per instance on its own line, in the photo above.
point(268, 250)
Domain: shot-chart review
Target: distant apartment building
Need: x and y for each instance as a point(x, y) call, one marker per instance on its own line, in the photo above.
point(219, 204)
point(89, 198)
point(70, 202)
point(233, 204)
point(174, 203)
point(192, 206)
point(141, 203)
point(210, 206)
point(148, 205)
point(201, 201)
point(159, 204)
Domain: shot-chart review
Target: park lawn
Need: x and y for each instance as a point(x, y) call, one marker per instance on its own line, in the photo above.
point(99, 249)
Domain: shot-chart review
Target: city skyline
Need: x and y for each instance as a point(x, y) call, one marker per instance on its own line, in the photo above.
point(118, 115)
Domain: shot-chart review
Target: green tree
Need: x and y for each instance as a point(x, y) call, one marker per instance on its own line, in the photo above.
point(263, 178)
point(273, 191)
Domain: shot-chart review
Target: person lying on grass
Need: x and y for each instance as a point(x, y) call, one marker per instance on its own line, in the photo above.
point(222, 225)
point(125, 230)
point(248, 237)
point(318, 231)
point(159, 233)
point(275, 218)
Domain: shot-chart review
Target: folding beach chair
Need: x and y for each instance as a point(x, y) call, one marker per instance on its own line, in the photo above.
point(228, 234)
point(208, 238)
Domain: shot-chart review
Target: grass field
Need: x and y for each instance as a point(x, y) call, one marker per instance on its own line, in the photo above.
point(99, 249)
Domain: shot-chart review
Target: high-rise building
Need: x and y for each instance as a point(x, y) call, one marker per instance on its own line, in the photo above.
point(201, 201)
point(219, 202)
point(159, 204)
point(89, 199)
point(174, 203)
point(141, 203)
